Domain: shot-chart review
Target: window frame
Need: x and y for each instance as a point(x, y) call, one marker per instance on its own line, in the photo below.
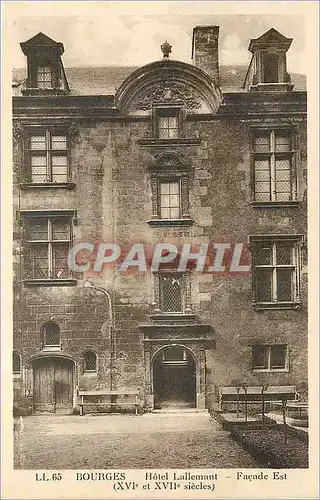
point(51, 72)
point(271, 155)
point(50, 347)
point(173, 109)
point(86, 371)
point(295, 242)
point(16, 373)
point(169, 180)
point(29, 218)
point(268, 368)
point(186, 307)
point(49, 153)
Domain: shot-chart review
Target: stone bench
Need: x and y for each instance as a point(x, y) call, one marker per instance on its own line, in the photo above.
point(100, 394)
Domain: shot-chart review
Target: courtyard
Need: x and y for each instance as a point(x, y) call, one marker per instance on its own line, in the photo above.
point(156, 440)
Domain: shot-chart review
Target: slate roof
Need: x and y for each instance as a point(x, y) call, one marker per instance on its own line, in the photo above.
point(105, 80)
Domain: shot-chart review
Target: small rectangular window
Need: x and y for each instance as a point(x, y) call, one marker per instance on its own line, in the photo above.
point(44, 77)
point(270, 357)
point(168, 127)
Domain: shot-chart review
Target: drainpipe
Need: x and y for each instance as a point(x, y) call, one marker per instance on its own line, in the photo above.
point(89, 284)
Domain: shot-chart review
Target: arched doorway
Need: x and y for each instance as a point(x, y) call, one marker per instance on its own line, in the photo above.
point(53, 385)
point(174, 378)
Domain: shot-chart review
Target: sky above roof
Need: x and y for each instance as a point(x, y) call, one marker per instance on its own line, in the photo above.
point(104, 36)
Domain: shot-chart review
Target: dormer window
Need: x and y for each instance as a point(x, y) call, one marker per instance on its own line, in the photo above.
point(44, 77)
point(268, 67)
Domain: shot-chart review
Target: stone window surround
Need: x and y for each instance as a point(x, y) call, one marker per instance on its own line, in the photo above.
point(17, 373)
point(293, 130)
point(269, 368)
point(170, 108)
point(186, 293)
point(29, 215)
point(22, 134)
point(297, 241)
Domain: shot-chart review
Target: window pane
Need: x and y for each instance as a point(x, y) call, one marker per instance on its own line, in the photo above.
point(38, 229)
point(283, 175)
point(58, 142)
point(38, 174)
point(264, 285)
point(51, 335)
point(283, 142)
point(59, 161)
point(173, 133)
point(164, 133)
point(39, 261)
point(16, 363)
point(60, 260)
point(278, 356)
point(163, 122)
point(174, 187)
point(165, 213)
point(259, 356)
point(263, 256)
point(165, 200)
point(283, 196)
point(284, 254)
point(38, 142)
point(174, 213)
point(261, 165)
point(38, 161)
point(174, 200)
point(284, 285)
point(90, 361)
point(283, 164)
point(173, 122)
point(262, 143)
point(60, 229)
point(164, 188)
point(171, 293)
point(262, 176)
point(63, 178)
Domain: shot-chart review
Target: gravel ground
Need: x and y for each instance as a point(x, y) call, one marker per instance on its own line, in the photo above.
point(126, 442)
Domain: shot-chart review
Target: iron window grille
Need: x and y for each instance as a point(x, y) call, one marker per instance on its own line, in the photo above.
point(16, 363)
point(276, 266)
point(47, 157)
point(48, 245)
point(90, 361)
point(270, 357)
point(274, 165)
point(171, 293)
point(44, 77)
point(51, 336)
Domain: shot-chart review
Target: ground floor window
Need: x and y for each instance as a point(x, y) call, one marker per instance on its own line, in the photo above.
point(270, 357)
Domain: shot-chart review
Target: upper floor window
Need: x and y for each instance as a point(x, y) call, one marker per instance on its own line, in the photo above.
point(276, 271)
point(16, 363)
point(44, 77)
point(169, 199)
point(270, 357)
point(47, 157)
point(171, 292)
point(168, 127)
point(48, 243)
point(51, 336)
point(167, 121)
point(274, 175)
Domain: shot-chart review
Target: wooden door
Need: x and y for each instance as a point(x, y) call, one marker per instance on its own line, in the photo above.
point(53, 385)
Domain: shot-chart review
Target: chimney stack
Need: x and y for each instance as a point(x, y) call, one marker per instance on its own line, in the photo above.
point(205, 50)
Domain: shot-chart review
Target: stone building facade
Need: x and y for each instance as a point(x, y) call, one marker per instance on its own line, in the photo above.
point(179, 154)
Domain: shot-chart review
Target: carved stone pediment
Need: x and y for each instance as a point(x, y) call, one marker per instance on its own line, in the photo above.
point(166, 91)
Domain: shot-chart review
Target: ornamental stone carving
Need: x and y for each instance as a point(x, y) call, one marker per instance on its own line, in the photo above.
point(167, 91)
